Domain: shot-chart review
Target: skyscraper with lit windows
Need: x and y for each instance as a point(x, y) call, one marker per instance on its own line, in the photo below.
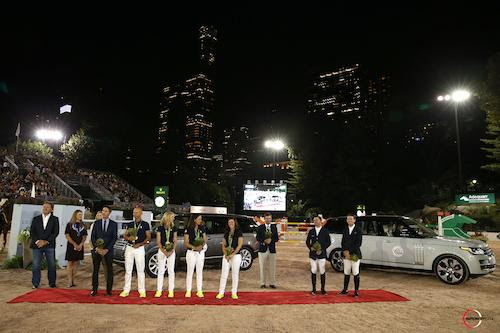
point(187, 109)
point(348, 93)
point(236, 145)
point(338, 94)
point(208, 43)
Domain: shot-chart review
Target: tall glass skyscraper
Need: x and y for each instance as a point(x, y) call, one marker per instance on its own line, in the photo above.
point(348, 93)
point(186, 109)
point(338, 93)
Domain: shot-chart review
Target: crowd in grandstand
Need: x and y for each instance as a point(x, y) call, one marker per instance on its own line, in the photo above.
point(19, 182)
point(118, 189)
point(37, 170)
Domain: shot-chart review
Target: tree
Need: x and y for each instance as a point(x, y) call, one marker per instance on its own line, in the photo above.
point(297, 175)
point(35, 148)
point(79, 149)
point(490, 102)
point(297, 209)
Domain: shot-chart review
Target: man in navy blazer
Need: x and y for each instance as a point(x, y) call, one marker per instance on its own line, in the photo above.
point(43, 232)
point(106, 230)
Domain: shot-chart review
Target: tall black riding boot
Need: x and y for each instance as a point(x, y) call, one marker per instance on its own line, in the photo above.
point(347, 277)
point(313, 281)
point(323, 281)
point(356, 285)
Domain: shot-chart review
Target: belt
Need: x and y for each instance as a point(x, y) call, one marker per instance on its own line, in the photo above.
point(132, 245)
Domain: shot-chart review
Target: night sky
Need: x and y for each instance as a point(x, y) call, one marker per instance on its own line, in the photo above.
point(111, 72)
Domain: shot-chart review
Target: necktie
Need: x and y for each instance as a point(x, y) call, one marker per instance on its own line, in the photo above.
point(105, 225)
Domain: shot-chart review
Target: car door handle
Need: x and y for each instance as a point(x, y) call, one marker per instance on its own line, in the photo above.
point(387, 241)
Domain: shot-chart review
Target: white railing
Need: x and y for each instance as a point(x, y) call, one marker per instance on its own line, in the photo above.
point(11, 162)
point(68, 190)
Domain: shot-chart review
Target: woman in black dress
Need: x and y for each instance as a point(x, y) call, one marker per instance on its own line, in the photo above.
point(75, 234)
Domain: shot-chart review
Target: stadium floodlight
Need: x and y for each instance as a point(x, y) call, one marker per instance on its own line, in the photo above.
point(460, 95)
point(275, 144)
point(45, 134)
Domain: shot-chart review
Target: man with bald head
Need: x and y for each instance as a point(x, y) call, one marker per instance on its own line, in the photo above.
point(135, 252)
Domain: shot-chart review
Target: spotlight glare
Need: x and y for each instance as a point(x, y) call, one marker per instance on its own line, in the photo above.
point(48, 134)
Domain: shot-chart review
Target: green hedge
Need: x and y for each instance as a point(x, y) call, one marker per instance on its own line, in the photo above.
point(43, 264)
point(16, 262)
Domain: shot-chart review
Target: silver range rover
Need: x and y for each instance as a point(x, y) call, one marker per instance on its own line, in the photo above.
point(403, 243)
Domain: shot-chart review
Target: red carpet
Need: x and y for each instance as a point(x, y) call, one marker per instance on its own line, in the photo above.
point(245, 298)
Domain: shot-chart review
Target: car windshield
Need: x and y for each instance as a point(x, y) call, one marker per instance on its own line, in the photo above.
point(419, 229)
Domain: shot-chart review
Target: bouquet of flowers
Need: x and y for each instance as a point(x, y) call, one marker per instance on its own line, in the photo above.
point(168, 246)
point(354, 257)
point(132, 233)
point(23, 236)
point(198, 241)
point(229, 248)
point(99, 243)
point(268, 234)
point(316, 247)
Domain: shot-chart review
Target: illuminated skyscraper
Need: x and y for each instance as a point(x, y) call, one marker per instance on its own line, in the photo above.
point(236, 145)
point(186, 126)
point(208, 43)
point(338, 94)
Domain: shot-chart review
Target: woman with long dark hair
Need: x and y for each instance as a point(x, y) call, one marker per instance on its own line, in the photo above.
point(231, 246)
point(75, 234)
point(195, 240)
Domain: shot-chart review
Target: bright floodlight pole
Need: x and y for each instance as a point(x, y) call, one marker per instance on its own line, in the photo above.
point(275, 145)
point(457, 97)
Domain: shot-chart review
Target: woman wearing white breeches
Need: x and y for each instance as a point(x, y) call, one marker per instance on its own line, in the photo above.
point(231, 246)
point(166, 239)
point(195, 240)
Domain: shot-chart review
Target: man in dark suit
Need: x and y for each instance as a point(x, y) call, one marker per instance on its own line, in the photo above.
point(267, 251)
point(352, 238)
point(43, 232)
point(106, 230)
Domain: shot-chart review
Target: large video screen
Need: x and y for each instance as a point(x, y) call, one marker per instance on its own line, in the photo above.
point(260, 197)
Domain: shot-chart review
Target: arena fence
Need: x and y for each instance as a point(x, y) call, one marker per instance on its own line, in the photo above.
point(289, 231)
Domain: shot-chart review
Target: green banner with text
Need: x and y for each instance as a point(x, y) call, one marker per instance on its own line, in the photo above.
point(476, 198)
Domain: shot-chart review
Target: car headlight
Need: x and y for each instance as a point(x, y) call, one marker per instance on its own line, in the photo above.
point(473, 250)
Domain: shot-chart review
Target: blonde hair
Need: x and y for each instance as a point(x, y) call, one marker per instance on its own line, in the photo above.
point(73, 217)
point(168, 217)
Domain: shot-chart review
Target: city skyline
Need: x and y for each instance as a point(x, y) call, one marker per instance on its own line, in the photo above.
point(263, 75)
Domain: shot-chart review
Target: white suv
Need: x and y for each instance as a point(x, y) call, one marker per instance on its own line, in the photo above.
point(400, 242)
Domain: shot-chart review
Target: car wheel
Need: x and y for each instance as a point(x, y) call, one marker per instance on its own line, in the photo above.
point(336, 260)
point(451, 269)
point(152, 264)
point(246, 259)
